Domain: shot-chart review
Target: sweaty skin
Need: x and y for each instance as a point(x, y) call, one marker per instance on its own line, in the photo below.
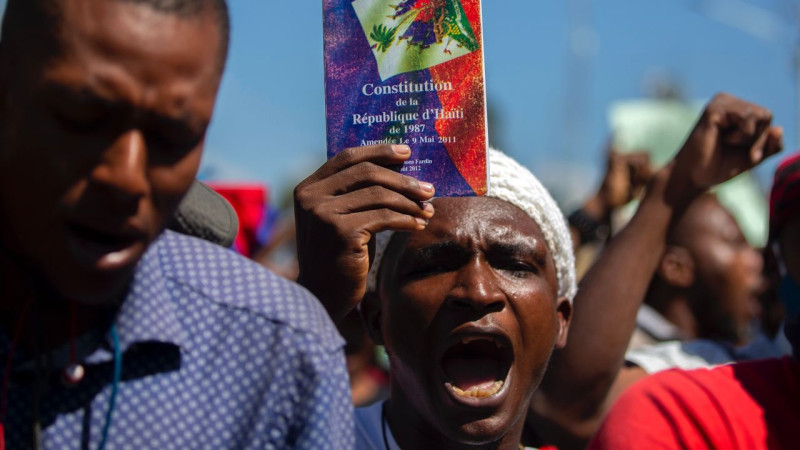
point(480, 266)
point(467, 308)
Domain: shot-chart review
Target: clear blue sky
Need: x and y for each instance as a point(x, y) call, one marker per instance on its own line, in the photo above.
point(269, 123)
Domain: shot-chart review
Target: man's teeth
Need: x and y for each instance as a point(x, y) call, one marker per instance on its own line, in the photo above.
point(479, 392)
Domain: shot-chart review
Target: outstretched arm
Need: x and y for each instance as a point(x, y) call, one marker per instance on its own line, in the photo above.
point(731, 137)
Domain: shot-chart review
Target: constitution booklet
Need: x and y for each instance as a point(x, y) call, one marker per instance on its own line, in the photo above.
point(410, 72)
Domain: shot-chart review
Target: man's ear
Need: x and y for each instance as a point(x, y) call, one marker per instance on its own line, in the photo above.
point(563, 315)
point(677, 267)
point(371, 315)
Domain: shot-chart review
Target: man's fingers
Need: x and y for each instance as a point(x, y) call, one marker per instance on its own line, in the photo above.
point(744, 125)
point(744, 122)
point(757, 150)
point(379, 197)
point(768, 144)
point(377, 220)
point(742, 119)
point(382, 154)
point(639, 159)
point(367, 174)
point(728, 112)
point(774, 141)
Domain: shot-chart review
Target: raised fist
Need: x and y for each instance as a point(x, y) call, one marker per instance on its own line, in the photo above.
point(732, 136)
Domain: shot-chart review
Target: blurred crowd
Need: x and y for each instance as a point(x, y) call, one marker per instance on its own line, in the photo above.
point(141, 308)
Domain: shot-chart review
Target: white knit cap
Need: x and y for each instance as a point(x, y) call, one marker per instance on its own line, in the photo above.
point(511, 182)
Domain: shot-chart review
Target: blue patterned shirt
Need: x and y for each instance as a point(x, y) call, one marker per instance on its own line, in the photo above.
point(219, 353)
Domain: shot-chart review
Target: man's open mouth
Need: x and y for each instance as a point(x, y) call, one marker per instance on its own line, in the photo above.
point(477, 366)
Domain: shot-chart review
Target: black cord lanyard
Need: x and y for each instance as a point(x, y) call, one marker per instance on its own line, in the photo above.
point(383, 426)
point(383, 429)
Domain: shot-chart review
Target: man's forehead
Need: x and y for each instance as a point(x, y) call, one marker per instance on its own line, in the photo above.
point(705, 216)
point(478, 221)
point(134, 26)
point(490, 216)
point(130, 52)
point(42, 30)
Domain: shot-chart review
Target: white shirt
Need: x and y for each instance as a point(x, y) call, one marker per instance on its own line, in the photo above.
point(702, 353)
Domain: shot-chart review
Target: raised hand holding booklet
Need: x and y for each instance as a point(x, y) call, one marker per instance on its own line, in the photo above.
point(410, 72)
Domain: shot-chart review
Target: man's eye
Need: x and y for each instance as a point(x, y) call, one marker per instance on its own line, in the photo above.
point(427, 270)
point(173, 143)
point(737, 241)
point(80, 121)
point(519, 269)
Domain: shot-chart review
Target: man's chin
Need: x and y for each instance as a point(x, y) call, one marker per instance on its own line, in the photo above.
point(476, 420)
point(480, 432)
point(475, 427)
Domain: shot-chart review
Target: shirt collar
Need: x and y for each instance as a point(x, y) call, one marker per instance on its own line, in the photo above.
point(656, 325)
point(148, 313)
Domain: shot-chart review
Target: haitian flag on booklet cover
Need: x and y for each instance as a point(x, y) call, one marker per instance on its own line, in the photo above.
point(410, 72)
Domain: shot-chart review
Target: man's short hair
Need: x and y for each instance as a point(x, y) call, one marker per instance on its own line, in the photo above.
point(23, 17)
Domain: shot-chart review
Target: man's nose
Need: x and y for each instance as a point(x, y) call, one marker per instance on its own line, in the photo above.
point(477, 288)
point(123, 167)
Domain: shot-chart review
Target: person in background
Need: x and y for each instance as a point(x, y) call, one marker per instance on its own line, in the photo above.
point(587, 376)
point(624, 180)
point(708, 279)
point(113, 332)
point(744, 405)
point(710, 285)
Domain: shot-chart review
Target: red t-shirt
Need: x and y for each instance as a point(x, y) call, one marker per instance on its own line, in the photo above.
point(747, 405)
